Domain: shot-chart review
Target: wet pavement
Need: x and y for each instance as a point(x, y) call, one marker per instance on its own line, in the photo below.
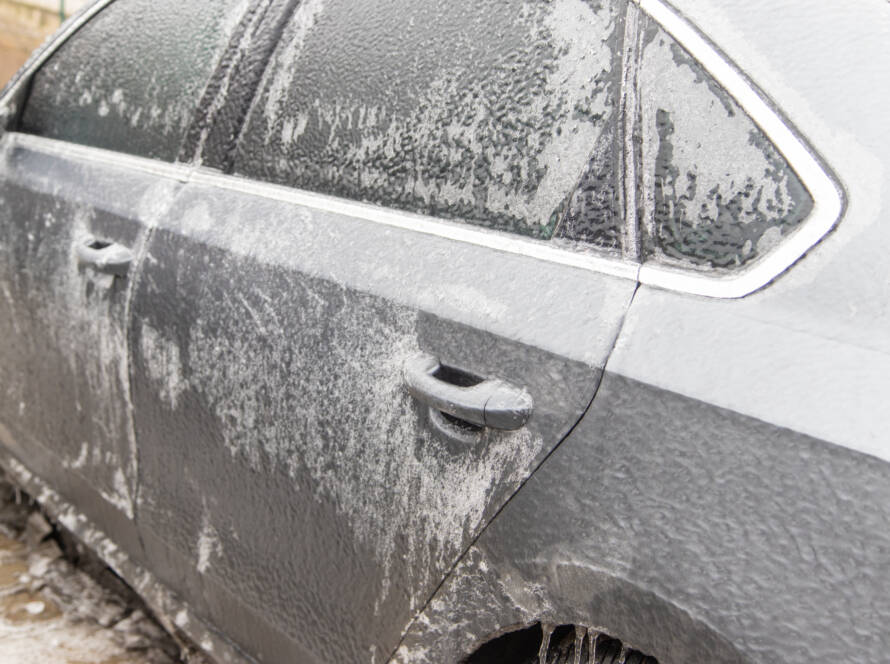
point(53, 611)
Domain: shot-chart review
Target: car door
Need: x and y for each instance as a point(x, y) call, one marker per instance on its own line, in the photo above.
point(376, 310)
point(98, 121)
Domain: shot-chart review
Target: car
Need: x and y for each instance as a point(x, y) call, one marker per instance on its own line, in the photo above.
point(479, 331)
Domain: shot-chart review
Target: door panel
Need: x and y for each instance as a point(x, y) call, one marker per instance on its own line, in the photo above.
point(281, 457)
point(64, 372)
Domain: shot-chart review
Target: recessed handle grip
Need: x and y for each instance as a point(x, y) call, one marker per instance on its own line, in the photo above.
point(490, 403)
point(107, 257)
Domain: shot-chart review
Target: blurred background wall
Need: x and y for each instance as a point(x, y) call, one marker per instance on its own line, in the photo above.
point(24, 25)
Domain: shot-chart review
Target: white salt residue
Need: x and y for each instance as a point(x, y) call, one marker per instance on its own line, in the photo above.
point(87, 645)
point(230, 21)
point(10, 303)
point(454, 118)
point(88, 329)
point(209, 544)
point(35, 608)
point(120, 497)
point(574, 26)
point(81, 459)
point(161, 358)
point(316, 388)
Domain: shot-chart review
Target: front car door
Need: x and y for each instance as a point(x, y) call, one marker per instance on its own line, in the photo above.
point(425, 201)
point(82, 181)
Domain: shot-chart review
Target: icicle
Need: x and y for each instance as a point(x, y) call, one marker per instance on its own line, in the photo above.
point(547, 630)
point(580, 637)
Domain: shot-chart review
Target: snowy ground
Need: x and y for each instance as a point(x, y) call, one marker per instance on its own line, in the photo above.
point(53, 612)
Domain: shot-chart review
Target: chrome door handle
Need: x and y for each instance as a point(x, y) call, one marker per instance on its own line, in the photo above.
point(489, 403)
point(108, 257)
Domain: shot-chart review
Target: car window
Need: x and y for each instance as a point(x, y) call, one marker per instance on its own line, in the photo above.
point(720, 194)
point(130, 79)
point(486, 111)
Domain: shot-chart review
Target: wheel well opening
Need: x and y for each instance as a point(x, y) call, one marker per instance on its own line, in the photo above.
point(556, 644)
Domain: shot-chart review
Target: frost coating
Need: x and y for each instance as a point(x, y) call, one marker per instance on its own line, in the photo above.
point(209, 545)
point(166, 606)
point(432, 110)
point(719, 193)
point(63, 331)
point(76, 341)
point(142, 98)
point(161, 358)
point(317, 391)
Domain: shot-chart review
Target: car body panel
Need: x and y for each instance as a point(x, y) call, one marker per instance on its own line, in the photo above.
point(731, 541)
point(268, 392)
point(809, 352)
point(724, 497)
point(65, 371)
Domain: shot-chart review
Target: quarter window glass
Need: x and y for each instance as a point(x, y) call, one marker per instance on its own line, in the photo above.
point(720, 194)
point(482, 110)
point(131, 78)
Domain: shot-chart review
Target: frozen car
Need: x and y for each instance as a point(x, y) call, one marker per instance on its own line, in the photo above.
point(485, 331)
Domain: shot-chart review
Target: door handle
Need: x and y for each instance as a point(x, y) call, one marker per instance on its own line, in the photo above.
point(489, 403)
point(107, 257)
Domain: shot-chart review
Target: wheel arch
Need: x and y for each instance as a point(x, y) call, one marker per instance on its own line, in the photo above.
point(487, 598)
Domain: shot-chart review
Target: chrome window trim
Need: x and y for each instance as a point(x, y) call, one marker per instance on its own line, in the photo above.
point(65, 150)
point(827, 196)
point(409, 221)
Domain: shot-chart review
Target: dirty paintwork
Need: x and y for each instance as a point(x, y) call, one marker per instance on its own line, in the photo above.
point(290, 401)
point(490, 126)
point(719, 194)
point(53, 612)
point(286, 483)
point(164, 605)
point(726, 542)
point(65, 323)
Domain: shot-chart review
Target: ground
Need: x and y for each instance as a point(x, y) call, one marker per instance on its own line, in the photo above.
point(60, 605)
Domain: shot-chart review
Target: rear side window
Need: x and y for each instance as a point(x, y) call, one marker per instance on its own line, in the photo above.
point(721, 194)
point(131, 78)
point(487, 111)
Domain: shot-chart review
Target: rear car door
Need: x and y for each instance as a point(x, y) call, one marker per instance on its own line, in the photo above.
point(424, 205)
point(82, 180)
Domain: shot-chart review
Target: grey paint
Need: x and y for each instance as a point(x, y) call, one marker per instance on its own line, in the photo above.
point(268, 389)
point(730, 541)
point(687, 525)
point(65, 373)
point(810, 352)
